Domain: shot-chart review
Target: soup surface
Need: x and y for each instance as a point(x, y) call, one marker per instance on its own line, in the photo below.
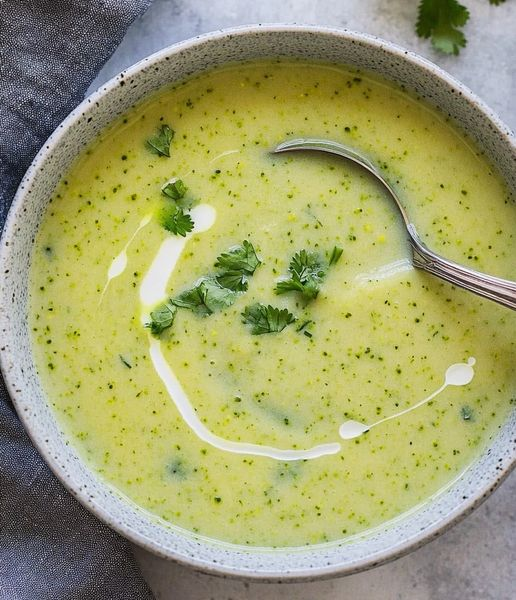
point(245, 414)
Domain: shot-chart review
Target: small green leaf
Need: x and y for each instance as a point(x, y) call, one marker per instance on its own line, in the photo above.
point(306, 274)
point(239, 258)
point(309, 289)
point(160, 143)
point(174, 189)
point(440, 20)
point(175, 220)
point(205, 297)
point(233, 280)
point(266, 319)
point(307, 271)
point(162, 317)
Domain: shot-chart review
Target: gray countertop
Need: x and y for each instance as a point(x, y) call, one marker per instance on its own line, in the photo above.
point(477, 558)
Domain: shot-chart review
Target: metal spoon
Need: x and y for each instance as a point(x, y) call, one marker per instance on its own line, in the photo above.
point(494, 288)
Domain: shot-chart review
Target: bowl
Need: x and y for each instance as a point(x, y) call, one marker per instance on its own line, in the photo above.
point(182, 60)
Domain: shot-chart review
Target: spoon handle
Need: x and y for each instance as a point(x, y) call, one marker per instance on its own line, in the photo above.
point(500, 290)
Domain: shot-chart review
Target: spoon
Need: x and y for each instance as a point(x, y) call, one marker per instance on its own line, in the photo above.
point(500, 290)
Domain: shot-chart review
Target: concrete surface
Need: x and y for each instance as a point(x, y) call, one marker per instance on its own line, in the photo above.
point(476, 560)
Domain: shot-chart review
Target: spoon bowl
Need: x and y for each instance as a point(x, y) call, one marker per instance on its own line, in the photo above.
point(499, 290)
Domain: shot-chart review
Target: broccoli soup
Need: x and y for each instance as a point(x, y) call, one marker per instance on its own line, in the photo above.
point(237, 341)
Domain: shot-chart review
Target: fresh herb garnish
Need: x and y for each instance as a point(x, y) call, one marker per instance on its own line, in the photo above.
point(440, 20)
point(335, 255)
point(467, 413)
point(239, 263)
point(174, 189)
point(162, 317)
point(306, 274)
point(210, 293)
point(239, 258)
point(175, 220)
point(233, 280)
point(205, 297)
point(160, 143)
point(266, 319)
point(307, 270)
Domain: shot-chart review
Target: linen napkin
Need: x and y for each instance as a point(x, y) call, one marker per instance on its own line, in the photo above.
point(51, 548)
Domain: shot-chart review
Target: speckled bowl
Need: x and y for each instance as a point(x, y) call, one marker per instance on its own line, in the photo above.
point(177, 62)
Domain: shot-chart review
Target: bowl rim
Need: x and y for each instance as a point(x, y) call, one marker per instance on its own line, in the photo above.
point(7, 356)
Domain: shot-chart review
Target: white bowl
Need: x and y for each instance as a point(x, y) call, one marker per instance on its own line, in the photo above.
point(175, 63)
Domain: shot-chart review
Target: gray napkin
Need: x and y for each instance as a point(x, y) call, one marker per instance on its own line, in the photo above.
point(50, 547)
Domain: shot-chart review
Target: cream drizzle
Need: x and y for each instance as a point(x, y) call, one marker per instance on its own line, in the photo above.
point(457, 374)
point(153, 288)
point(153, 291)
point(222, 155)
point(119, 263)
point(188, 413)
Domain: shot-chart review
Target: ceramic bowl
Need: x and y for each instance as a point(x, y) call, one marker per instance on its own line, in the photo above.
point(175, 63)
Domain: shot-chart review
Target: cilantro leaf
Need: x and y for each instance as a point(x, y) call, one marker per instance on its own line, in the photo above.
point(266, 319)
point(205, 297)
point(175, 220)
point(308, 289)
point(233, 280)
point(174, 189)
point(162, 317)
point(160, 142)
point(306, 274)
point(440, 20)
point(240, 263)
point(239, 258)
point(496, 2)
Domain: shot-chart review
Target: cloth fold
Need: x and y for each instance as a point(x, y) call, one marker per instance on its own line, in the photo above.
point(51, 548)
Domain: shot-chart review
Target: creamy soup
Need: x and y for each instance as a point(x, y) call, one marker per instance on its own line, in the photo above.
point(237, 341)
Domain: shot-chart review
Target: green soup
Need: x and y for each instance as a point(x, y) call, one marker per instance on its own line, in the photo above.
point(223, 427)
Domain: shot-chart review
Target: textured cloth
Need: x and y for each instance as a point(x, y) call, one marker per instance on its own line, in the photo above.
point(51, 548)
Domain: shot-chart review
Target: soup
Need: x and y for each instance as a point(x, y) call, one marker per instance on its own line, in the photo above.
point(237, 341)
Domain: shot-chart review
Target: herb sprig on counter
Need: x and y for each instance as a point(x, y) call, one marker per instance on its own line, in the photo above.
point(160, 142)
point(266, 319)
point(441, 21)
